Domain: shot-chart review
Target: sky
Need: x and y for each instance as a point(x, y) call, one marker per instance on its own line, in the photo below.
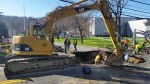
point(33, 8)
point(142, 10)
point(39, 8)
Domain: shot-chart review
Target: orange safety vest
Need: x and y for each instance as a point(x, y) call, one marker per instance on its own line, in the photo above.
point(126, 41)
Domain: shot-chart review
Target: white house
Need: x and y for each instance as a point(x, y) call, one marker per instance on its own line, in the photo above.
point(142, 25)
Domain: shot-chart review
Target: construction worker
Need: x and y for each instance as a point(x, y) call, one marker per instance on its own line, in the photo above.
point(8, 49)
point(75, 44)
point(125, 44)
point(126, 57)
point(144, 43)
point(68, 43)
point(138, 48)
point(99, 57)
point(65, 45)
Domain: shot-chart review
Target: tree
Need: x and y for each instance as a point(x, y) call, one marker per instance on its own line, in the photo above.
point(17, 26)
point(116, 7)
point(3, 30)
point(62, 26)
point(82, 23)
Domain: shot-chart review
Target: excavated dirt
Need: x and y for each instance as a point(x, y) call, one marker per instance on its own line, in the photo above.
point(88, 56)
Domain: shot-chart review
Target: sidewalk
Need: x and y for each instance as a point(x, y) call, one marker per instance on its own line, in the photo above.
point(79, 48)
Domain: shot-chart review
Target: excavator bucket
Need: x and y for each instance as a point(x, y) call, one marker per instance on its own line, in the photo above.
point(114, 60)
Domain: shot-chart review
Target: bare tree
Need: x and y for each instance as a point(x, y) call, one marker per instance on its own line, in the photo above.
point(116, 7)
point(82, 23)
point(17, 26)
point(62, 25)
point(79, 23)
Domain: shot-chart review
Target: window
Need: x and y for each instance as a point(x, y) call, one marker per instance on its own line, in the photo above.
point(37, 30)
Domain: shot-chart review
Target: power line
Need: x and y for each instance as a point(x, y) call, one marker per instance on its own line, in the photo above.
point(138, 7)
point(140, 2)
point(136, 10)
point(135, 14)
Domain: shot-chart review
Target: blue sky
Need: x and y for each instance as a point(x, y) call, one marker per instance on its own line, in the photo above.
point(33, 8)
point(138, 6)
point(39, 8)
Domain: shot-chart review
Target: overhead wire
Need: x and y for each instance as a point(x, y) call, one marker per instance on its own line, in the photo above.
point(135, 14)
point(133, 9)
point(140, 2)
point(136, 10)
point(132, 16)
point(140, 9)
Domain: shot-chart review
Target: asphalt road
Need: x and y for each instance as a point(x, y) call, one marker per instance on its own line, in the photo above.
point(101, 74)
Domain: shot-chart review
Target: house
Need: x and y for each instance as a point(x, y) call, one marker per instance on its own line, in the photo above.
point(140, 25)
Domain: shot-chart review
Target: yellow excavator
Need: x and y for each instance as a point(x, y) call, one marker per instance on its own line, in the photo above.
point(34, 51)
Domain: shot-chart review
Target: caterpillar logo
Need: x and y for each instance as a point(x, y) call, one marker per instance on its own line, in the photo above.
point(82, 9)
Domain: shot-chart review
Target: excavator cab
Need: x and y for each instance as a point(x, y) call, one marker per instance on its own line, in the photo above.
point(37, 30)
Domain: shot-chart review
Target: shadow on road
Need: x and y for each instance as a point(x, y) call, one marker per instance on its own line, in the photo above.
point(125, 74)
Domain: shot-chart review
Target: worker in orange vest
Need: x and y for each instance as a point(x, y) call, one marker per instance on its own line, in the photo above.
point(125, 44)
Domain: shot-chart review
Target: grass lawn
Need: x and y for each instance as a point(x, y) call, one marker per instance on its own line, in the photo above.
point(98, 41)
point(1, 55)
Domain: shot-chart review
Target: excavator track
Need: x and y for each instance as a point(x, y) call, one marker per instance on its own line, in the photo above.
point(36, 63)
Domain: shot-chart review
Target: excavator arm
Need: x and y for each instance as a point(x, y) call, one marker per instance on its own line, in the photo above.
point(115, 59)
